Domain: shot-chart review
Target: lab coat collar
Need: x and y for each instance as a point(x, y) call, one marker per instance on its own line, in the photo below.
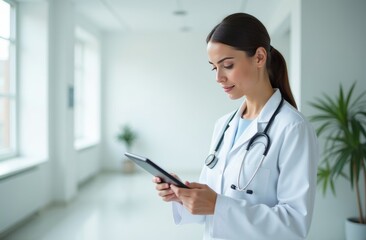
point(270, 107)
point(263, 117)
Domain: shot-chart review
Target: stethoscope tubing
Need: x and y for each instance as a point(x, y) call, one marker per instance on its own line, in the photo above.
point(237, 187)
point(211, 160)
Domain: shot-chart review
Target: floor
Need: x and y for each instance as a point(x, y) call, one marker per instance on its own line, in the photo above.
point(110, 206)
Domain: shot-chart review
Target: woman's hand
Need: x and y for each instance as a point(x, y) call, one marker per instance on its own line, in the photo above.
point(165, 191)
point(198, 198)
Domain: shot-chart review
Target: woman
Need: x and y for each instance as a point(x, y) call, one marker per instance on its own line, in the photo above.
point(244, 194)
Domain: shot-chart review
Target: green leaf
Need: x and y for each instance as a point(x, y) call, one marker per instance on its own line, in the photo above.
point(127, 136)
point(342, 123)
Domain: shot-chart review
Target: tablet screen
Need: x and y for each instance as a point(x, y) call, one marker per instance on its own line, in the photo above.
point(154, 169)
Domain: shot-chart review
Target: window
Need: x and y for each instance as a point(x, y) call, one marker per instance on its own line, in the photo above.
point(8, 95)
point(86, 90)
point(79, 93)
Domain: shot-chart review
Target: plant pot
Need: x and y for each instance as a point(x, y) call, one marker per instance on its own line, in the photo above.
point(355, 230)
point(128, 167)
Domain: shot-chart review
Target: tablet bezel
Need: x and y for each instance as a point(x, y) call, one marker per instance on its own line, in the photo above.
point(154, 169)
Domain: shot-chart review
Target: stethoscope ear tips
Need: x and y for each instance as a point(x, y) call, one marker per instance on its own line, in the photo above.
point(233, 186)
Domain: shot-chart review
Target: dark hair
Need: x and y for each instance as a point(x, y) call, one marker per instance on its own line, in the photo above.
point(246, 33)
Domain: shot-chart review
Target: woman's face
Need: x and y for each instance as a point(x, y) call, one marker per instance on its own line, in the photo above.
point(235, 71)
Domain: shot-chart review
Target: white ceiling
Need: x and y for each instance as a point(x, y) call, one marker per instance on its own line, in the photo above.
point(141, 16)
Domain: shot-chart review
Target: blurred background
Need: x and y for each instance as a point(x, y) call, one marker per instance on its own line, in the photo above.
point(76, 74)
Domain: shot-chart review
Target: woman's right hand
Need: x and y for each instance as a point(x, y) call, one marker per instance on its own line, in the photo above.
point(164, 190)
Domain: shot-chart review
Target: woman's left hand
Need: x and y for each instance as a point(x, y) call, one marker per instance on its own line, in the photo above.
point(198, 198)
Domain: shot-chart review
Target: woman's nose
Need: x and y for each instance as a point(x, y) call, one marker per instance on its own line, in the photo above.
point(220, 77)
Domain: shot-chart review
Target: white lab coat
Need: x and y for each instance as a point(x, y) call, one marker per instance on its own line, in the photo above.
point(281, 206)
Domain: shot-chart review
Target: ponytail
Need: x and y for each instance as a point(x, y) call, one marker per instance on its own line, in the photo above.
point(277, 71)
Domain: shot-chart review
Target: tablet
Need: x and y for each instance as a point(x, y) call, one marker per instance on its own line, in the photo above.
point(155, 170)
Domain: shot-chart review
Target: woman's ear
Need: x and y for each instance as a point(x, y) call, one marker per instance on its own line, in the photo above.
point(261, 57)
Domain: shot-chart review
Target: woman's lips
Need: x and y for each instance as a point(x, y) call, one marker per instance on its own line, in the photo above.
point(228, 88)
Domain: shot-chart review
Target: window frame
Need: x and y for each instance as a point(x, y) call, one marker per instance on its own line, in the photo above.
point(88, 43)
point(12, 96)
point(80, 68)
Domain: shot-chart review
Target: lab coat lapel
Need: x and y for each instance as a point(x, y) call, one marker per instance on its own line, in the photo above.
point(248, 133)
point(263, 118)
point(217, 182)
point(246, 136)
point(230, 135)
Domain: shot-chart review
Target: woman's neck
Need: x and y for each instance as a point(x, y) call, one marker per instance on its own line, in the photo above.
point(256, 101)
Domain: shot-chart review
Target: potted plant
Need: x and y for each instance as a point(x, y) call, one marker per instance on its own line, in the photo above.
point(127, 136)
point(343, 124)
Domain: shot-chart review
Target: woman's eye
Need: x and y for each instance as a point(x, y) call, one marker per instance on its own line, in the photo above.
point(229, 66)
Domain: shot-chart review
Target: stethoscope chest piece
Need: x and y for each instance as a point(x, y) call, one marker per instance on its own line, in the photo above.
point(211, 160)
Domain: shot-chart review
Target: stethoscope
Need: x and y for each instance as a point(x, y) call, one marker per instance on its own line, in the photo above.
point(212, 159)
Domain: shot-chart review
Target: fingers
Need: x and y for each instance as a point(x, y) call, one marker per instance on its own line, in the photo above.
point(164, 190)
point(196, 185)
point(186, 192)
point(162, 186)
point(181, 192)
point(169, 198)
point(156, 180)
point(166, 194)
point(159, 184)
point(163, 193)
point(197, 199)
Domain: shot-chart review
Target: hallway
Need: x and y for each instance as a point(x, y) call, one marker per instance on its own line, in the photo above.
point(109, 206)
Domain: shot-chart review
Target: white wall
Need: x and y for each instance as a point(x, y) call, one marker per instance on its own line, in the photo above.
point(333, 47)
point(70, 167)
point(162, 85)
point(61, 59)
point(285, 31)
point(333, 40)
point(22, 195)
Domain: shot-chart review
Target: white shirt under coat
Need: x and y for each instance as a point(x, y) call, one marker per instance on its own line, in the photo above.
point(284, 188)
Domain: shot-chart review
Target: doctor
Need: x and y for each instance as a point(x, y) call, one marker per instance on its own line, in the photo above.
point(260, 177)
